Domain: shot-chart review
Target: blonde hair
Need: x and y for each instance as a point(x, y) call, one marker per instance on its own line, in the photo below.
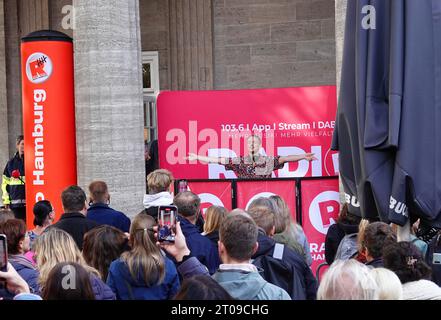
point(145, 257)
point(55, 246)
point(347, 280)
point(159, 181)
point(283, 214)
point(213, 218)
point(361, 232)
point(389, 285)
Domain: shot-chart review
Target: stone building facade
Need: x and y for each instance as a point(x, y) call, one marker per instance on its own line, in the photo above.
point(200, 44)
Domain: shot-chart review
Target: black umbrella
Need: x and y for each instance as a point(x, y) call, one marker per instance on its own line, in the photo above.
point(388, 120)
point(365, 132)
point(416, 188)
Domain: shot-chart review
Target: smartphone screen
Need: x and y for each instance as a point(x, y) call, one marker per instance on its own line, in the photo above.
point(436, 258)
point(167, 223)
point(3, 253)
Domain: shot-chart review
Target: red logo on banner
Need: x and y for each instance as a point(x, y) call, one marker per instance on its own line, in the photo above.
point(38, 67)
point(212, 194)
point(247, 191)
point(331, 163)
point(327, 212)
point(323, 209)
point(320, 209)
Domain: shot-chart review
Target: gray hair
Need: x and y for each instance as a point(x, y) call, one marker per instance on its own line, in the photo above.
point(348, 280)
point(389, 285)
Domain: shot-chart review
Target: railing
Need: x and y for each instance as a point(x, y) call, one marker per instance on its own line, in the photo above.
point(297, 194)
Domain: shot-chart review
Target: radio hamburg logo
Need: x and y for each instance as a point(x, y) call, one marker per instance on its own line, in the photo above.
point(38, 67)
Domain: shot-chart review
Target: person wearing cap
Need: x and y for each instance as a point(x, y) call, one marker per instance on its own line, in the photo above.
point(13, 182)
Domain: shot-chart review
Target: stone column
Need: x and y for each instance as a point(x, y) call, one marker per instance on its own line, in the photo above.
point(13, 72)
point(340, 19)
point(4, 145)
point(108, 93)
point(21, 17)
point(191, 44)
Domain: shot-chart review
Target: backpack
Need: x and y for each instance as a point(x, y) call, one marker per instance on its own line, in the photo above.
point(348, 247)
point(280, 273)
point(435, 249)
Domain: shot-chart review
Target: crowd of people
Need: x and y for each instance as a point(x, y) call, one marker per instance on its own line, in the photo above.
point(96, 253)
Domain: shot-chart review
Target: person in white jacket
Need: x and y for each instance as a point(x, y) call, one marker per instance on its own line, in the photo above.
point(159, 193)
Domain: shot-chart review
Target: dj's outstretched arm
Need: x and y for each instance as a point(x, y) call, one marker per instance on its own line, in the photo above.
point(217, 160)
point(295, 158)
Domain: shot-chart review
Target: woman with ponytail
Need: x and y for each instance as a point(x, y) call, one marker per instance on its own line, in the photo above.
point(143, 273)
point(44, 216)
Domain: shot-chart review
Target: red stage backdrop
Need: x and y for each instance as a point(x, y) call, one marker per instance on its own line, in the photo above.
point(247, 191)
point(217, 123)
point(320, 208)
point(213, 193)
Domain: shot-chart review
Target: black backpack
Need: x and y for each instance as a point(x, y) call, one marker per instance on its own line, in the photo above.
point(433, 258)
point(280, 273)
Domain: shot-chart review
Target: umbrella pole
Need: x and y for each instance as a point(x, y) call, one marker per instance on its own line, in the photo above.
point(403, 233)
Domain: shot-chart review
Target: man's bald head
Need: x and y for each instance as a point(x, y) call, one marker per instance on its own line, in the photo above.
point(188, 204)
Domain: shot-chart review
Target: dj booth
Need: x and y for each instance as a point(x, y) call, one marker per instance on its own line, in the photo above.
point(314, 201)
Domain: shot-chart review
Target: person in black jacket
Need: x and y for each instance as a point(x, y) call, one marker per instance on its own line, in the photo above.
point(188, 205)
point(13, 182)
point(293, 261)
point(151, 157)
point(347, 223)
point(74, 220)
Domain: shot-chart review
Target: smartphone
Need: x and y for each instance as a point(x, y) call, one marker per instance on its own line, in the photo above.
point(436, 258)
point(3, 253)
point(167, 223)
point(183, 186)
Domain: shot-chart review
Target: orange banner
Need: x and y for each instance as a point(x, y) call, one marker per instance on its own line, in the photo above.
point(48, 118)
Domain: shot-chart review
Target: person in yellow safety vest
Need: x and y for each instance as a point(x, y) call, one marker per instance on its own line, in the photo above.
point(13, 182)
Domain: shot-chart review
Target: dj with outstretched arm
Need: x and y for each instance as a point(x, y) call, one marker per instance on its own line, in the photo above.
point(253, 165)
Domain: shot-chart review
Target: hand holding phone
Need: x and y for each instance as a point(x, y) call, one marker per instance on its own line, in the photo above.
point(177, 249)
point(13, 281)
point(167, 223)
point(3, 253)
point(3, 258)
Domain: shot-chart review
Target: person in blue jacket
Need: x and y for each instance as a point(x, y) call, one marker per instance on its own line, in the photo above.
point(15, 287)
point(143, 273)
point(100, 211)
point(202, 248)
